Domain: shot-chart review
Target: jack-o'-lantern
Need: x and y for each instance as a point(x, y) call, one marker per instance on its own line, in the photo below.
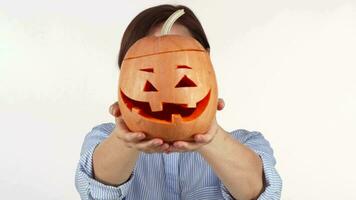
point(167, 86)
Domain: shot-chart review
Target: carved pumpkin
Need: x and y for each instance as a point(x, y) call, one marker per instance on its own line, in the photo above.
point(167, 87)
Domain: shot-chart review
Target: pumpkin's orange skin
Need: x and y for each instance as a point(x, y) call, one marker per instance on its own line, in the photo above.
point(163, 54)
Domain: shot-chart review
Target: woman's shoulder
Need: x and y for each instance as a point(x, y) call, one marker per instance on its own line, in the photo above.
point(242, 131)
point(245, 135)
point(100, 130)
point(104, 127)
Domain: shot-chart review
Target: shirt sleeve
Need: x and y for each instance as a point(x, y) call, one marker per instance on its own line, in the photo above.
point(86, 185)
point(272, 181)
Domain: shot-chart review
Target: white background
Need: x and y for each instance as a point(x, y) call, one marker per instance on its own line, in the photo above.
point(284, 68)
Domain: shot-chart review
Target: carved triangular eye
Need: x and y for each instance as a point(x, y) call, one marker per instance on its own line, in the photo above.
point(183, 67)
point(185, 82)
point(149, 69)
point(149, 87)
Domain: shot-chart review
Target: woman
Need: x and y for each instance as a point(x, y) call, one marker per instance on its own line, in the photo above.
point(118, 164)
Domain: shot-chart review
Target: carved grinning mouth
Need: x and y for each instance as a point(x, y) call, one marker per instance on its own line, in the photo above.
point(171, 112)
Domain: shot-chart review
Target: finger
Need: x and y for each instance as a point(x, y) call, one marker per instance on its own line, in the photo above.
point(148, 145)
point(162, 148)
point(111, 109)
point(115, 110)
point(221, 104)
point(132, 137)
point(135, 137)
point(185, 146)
point(125, 134)
point(203, 138)
point(172, 148)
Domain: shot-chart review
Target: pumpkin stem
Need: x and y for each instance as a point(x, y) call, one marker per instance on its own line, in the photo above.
point(166, 28)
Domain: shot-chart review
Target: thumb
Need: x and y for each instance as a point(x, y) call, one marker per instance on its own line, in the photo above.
point(221, 104)
point(114, 110)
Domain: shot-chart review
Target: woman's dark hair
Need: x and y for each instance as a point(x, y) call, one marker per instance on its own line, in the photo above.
point(144, 21)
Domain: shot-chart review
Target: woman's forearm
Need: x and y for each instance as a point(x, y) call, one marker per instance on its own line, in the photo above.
point(238, 167)
point(113, 161)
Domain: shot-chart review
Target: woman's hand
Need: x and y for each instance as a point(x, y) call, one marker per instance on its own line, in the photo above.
point(157, 145)
point(199, 139)
point(135, 139)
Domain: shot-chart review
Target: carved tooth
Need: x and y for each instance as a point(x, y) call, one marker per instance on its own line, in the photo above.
point(176, 118)
point(135, 110)
point(156, 106)
point(192, 105)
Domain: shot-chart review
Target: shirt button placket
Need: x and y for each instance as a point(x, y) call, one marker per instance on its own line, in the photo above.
point(172, 175)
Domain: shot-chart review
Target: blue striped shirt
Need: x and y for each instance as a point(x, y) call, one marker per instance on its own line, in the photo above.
point(171, 176)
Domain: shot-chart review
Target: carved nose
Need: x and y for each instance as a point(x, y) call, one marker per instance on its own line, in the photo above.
point(185, 82)
point(149, 87)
